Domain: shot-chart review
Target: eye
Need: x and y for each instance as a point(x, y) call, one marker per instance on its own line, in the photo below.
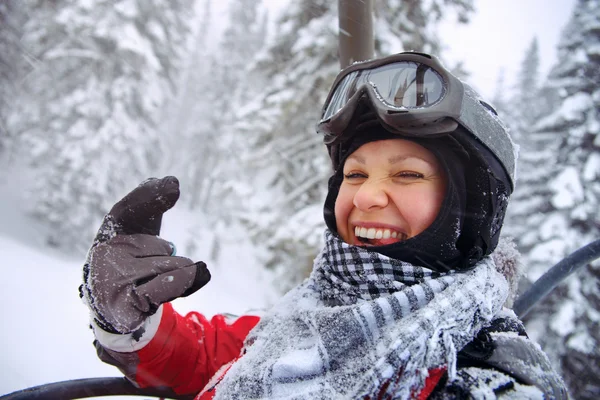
point(409, 175)
point(354, 175)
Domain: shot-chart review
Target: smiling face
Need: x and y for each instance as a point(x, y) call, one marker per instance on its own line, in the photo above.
point(392, 190)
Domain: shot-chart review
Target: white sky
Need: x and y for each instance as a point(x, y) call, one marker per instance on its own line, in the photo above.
point(499, 34)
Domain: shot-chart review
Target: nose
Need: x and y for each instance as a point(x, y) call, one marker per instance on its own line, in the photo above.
point(371, 195)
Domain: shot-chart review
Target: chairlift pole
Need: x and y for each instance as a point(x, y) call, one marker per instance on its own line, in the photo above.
point(356, 39)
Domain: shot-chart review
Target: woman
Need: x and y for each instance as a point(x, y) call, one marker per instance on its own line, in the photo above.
point(406, 298)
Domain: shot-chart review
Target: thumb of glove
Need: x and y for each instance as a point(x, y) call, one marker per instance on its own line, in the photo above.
point(170, 285)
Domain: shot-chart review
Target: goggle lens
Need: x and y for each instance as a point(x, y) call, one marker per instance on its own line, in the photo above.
point(402, 85)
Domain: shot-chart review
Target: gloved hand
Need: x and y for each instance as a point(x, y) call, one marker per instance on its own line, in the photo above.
point(129, 271)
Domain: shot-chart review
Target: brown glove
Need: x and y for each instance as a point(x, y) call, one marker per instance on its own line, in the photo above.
point(129, 271)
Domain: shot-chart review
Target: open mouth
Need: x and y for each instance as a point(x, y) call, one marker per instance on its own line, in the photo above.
point(378, 237)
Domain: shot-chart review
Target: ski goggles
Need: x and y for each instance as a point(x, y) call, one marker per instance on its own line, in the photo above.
point(413, 95)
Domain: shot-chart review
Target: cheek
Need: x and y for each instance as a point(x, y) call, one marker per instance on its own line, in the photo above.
point(343, 207)
point(421, 208)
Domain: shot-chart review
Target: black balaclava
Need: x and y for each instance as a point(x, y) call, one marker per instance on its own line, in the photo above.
point(438, 246)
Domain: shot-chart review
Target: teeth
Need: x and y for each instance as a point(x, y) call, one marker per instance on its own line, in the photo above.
point(373, 233)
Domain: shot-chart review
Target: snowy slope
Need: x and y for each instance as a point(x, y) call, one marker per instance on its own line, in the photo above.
point(45, 336)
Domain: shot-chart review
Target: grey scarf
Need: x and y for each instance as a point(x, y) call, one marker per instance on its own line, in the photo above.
point(363, 323)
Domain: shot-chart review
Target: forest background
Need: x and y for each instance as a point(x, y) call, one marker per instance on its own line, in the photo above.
point(98, 95)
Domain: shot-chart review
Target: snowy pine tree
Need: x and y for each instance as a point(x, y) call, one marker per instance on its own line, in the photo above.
point(536, 164)
point(568, 323)
point(500, 99)
point(103, 72)
point(216, 84)
point(12, 16)
point(217, 175)
point(185, 116)
point(527, 101)
point(221, 91)
point(284, 155)
point(412, 24)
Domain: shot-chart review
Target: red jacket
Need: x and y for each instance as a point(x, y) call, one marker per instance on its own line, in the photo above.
point(191, 354)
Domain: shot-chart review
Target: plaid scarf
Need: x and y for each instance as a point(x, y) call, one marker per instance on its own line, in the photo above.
point(364, 325)
point(350, 273)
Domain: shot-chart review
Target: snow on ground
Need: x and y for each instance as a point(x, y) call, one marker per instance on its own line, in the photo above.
point(45, 336)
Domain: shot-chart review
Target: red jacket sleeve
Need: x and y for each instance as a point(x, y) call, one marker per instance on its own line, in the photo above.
point(185, 352)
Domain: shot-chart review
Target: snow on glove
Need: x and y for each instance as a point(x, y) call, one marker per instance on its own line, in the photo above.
point(129, 271)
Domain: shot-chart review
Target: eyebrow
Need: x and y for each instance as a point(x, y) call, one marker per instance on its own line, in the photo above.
point(397, 159)
point(359, 159)
point(391, 160)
